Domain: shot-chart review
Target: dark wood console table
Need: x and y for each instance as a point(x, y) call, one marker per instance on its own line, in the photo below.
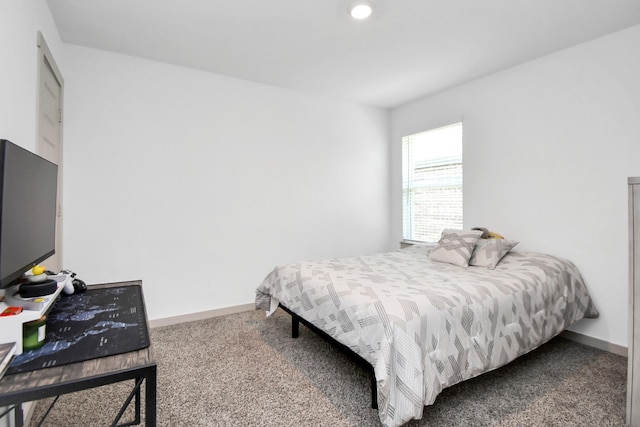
point(139, 366)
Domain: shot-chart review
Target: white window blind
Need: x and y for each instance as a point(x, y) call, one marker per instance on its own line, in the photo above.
point(432, 183)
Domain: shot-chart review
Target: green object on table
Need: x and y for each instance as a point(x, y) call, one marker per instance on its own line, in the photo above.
point(33, 334)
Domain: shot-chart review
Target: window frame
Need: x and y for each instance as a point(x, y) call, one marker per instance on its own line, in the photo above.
point(434, 179)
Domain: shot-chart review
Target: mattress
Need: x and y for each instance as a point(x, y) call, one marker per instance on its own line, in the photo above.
point(425, 325)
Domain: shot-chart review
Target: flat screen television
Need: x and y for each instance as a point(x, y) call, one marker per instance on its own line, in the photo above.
point(28, 189)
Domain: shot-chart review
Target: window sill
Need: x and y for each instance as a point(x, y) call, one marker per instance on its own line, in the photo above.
point(405, 243)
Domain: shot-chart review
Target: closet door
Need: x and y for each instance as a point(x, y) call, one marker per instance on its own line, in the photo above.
point(633, 379)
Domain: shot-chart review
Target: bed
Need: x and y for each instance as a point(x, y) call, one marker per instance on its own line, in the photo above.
point(423, 324)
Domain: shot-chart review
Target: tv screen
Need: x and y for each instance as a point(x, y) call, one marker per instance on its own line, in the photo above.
point(28, 188)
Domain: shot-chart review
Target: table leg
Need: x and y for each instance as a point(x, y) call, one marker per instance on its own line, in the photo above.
point(19, 413)
point(150, 397)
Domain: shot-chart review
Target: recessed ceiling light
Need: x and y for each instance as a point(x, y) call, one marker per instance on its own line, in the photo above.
point(361, 11)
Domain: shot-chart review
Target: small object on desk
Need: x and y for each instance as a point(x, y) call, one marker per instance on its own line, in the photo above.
point(68, 286)
point(36, 274)
point(79, 285)
point(34, 334)
point(7, 351)
point(72, 284)
point(65, 279)
point(11, 311)
point(38, 289)
point(38, 270)
point(32, 278)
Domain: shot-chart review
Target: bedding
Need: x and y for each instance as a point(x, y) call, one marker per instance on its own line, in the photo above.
point(489, 252)
point(455, 246)
point(424, 325)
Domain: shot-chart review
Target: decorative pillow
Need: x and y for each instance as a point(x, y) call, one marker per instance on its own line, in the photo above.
point(455, 246)
point(489, 252)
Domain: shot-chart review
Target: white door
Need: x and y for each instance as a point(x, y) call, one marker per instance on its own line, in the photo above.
point(50, 90)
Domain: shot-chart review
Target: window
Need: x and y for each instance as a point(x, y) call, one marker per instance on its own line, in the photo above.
point(431, 183)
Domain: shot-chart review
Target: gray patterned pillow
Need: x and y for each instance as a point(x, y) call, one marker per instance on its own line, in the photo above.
point(455, 246)
point(489, 252)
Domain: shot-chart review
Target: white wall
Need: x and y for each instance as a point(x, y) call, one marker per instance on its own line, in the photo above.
point(548, 147)
point(20, 22)
point(200, 184)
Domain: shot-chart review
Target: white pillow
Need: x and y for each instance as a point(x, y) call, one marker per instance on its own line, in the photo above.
point(455, 246)
point(489, 252)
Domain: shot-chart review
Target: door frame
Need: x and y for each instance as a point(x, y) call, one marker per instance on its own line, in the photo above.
point(45, 57)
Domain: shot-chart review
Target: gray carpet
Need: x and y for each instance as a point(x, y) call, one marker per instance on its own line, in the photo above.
point(245, 370)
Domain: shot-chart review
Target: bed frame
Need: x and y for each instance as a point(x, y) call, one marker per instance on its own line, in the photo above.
point(295, 332)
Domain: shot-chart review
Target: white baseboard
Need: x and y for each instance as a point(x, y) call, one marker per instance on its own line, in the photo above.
point(596, 343)
point(166, 321)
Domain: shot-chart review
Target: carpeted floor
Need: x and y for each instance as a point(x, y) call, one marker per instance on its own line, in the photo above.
point(245, 370)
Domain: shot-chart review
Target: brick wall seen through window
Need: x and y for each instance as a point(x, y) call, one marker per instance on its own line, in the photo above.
point(432, 182)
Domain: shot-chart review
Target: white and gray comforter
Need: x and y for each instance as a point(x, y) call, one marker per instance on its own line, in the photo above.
point(425, 325)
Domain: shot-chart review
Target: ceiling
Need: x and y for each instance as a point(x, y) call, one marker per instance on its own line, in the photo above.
point(408, 49)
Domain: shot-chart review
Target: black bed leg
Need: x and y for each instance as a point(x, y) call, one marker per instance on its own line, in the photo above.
point(374, 390)
point(295, 327)
point(295, 332)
